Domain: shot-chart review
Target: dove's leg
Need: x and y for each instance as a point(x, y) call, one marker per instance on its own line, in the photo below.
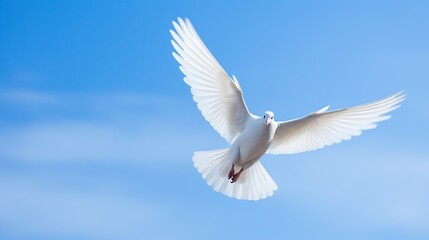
point(236, 175)
point(235, 158)
point(231, 172)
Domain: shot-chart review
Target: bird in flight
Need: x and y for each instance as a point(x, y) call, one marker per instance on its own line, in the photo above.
point(236, 170)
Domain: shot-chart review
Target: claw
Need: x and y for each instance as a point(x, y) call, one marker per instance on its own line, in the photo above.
point(231, 172)
point(236, 176)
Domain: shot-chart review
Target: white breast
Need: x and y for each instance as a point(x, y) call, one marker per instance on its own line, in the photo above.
point(253, 142)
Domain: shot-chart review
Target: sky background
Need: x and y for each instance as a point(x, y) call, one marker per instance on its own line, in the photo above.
point(97, 128)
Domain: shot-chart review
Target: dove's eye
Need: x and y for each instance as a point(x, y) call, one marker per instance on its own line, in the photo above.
point(272, 117)
point(264, 116)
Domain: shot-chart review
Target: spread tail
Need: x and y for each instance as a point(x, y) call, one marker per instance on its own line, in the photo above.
point(254, 183)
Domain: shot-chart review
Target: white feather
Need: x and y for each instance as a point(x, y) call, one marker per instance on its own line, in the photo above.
point(219, 97)
point(254, 184)
point(325, 128)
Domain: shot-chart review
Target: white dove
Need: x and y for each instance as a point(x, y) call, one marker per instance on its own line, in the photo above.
point(236, 171)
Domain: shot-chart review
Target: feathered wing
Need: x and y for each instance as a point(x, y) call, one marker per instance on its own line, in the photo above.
point(218, 97)
point(323, 128)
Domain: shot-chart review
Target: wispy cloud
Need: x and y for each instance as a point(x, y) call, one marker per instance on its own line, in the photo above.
point(28, 97)
point(27, 77)
point(125, 127)
point(375, 189)
point(29, 208)
point(84, 141)
point(89, 106)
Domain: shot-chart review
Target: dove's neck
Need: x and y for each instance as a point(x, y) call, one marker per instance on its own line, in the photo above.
point(272, 127)
point(267, 130)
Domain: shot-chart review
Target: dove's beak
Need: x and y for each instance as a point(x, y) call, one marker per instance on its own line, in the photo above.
point(268, 121)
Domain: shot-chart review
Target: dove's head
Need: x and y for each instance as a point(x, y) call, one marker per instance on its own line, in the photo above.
point(269, 117)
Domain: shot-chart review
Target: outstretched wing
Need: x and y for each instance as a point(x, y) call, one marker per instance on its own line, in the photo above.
point(218, 97)
point(325, 128)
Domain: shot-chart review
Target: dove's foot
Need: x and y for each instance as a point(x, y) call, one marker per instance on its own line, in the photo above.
point(236, 176)
point(231, 172)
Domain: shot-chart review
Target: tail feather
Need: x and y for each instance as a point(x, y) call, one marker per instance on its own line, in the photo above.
point(254, 183)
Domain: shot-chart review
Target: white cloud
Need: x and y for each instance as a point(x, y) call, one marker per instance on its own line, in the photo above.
point(374, 188)
point(28, 97)
point(103, 142)
point(30, 208)
point(27, 77)
point(123, 126)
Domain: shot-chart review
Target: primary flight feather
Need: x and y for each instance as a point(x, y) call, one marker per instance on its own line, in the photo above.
point(236, 171)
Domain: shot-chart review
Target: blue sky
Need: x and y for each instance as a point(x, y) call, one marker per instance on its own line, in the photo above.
point(97, 128)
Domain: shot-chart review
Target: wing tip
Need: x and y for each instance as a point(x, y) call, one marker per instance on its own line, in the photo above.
point(399, 96)
point(182, 23)
point(187, 21)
